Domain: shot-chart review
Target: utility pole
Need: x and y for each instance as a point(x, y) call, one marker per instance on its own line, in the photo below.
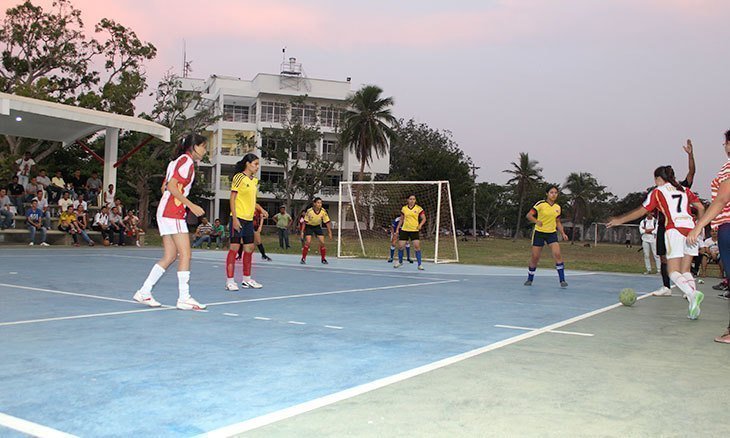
point(474, 201)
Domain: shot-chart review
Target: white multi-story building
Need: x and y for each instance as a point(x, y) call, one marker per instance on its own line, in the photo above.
point(249, 107)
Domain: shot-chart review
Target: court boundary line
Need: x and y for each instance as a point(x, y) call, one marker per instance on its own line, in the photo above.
point(60, 292)
point(221, 303)
point(292, 411)
point(560, 332)
point(33, 429)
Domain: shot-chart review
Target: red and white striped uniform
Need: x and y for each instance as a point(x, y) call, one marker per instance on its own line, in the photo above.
point(724, 216)
point(183, 170)
point(674, 205)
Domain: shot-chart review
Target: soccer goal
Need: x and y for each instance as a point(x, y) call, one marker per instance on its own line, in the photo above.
point(599, 233)
point(367, 210)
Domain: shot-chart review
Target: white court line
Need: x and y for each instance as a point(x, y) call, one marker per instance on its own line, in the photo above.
point(296, 322)
point(30, 428)
point(334, 292)
point(336, 327)
point(93, 315)
point(515, 327)
point(60, 292)
point(261, 318)
point(311, 405)
point(231, 314)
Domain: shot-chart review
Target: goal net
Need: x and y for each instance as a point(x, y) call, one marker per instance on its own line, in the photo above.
point(367, 210)
point(599, 233)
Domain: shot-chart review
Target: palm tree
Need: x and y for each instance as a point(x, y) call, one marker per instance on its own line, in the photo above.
point(367, 127)
point(525, 175)
point(584, 190)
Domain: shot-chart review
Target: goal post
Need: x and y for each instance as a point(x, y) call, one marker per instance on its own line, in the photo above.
point(367, 209)
point(600, 234)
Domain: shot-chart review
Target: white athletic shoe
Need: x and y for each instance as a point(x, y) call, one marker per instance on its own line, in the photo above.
point(251, 284)
point(45, 244)
point(421, 268)
point(31, 244)
point(190, 304)
point(397, 265)
point(662, 292)
point(146, 299)
point(231, 286)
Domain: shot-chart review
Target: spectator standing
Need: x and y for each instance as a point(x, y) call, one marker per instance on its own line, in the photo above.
point(33, 217)
point(24, 167)
point(101, 224)
point(283, 224)
point(109, 195)
point(16, 191)
point(116, 223)
point(93, 187)
point(6, 216)
point(648, 230)
point(203, 233)
point(57, 187)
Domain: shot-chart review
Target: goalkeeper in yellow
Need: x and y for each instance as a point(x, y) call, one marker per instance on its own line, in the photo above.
point(412, 219)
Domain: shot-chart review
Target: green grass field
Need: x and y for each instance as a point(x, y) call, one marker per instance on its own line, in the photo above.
point(495, 252)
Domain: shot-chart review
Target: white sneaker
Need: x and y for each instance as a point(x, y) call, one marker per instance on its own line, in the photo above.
point(31, 244)
point(421, 268)
point(231, 286)
point(45, 244)
point(397, 265)
point(647, 272)
point(662, 292)
point(146, 299)
point(137, 243)
point(251, 284)
point(190, 304)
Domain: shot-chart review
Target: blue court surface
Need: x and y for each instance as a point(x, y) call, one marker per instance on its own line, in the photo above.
point(80, 357)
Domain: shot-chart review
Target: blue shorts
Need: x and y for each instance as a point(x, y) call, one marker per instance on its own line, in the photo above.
point(540, 239)
point(244, 235)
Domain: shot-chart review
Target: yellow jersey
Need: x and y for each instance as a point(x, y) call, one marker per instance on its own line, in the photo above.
point(548, 215)
point(411, 217)
point(67, 216)
point(316, 219)
point(246, 189)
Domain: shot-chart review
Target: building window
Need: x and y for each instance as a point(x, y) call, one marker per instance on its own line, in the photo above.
point(268, 146)
point(299, 152)
point(272, 177)
point(329, 150)
point(236, 113)
point(306, 113)
point(273, 112)
point(330, 116)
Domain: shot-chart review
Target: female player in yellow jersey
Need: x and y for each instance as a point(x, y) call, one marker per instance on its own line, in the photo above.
point(313, 220)
point(546, 217)
point(412, 219)
point(244, 189)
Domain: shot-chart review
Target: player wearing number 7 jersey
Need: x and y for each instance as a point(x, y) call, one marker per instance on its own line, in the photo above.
point(673, 200)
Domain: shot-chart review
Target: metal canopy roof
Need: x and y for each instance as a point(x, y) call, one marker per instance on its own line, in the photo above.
point(34, 118)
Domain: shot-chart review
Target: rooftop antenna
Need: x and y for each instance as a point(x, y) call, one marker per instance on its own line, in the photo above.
point(186, 64)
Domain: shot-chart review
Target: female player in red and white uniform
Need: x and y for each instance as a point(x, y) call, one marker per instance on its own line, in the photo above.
point(674, 200)
point(171, 221)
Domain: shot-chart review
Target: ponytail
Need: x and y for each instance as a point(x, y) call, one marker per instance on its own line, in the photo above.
point(189, 141)
point(241, 165)
point(667, 174)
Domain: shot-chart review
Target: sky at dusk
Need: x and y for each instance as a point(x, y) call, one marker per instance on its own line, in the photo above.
point(610, 87)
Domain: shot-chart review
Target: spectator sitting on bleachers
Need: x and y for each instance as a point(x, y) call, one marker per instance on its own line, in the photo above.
point(16, 191)
point(109, 194)
point(43, 179)
point(31, 189)
point(82, 218)
point(218, 233)
point(120, 207)
point(33, 217)
point(202, 234)
point(68, 222)
point(131, 222)
point(93, 187)
point(65, 202)
point(43, 206)
point(101, 224)
point(24, 166)
point(57, 187)
point(116, 222)
point(6, 216)
point(80, 201)
point(77, 183)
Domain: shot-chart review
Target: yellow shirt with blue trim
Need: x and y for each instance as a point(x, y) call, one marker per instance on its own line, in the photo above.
point(316, 219)
point(548, 215)
point(411, 217)
point(246, 190)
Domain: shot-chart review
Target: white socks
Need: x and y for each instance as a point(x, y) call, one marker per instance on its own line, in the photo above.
point(246, 278)
point(152, 279)
point(685, 282)
point(183, 279)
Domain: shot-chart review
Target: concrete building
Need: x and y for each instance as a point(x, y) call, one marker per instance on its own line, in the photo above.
point(251, 107)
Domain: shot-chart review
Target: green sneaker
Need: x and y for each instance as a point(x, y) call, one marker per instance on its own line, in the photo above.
point(694, 308)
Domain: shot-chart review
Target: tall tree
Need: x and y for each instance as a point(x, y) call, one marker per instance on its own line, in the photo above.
point(525, 175)
point(367, 127)
point(584, 191)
